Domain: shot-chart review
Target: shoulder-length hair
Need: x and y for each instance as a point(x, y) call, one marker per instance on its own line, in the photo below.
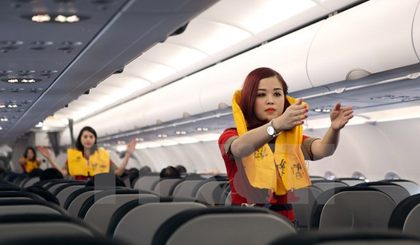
point(79, 145)
point(26, 153)
point(250, 91)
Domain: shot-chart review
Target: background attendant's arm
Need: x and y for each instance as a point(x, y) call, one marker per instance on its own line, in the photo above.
point(339, 116)
point(130, 149)
point(47, 154)
point(22, 162)
point(254, 139)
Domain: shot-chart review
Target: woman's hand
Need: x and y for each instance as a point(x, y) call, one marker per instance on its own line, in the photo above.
point(293, 116)
point(44, 151)
point(131, 147)
point(340, 116)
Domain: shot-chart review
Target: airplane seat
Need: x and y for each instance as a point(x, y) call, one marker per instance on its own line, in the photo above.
point(166, 186)
point(314, 177)
point(75, 200)
point(395, 191)
point(345, 237)
point(61, 239)
point(28, 206)
point(10, 188)
point(223, 225)
point(186, 188)
point(351, 208)
point(64, 191)
point(53, 184)
point(101, 206)
point(209, 191)
point(52, 225)
point(406, 216)
point(137, 222)
point(412, 187)
point(29, 181)
point(147, 182)
point(21, 195)
point(303, 207)
point(351, 181)
point(225, 196)
point(87, 204)
point(325, 185)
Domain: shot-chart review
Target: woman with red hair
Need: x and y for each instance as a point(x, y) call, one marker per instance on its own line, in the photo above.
point(265, 154)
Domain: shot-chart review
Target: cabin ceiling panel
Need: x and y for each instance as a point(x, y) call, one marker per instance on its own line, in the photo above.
point(88, 51)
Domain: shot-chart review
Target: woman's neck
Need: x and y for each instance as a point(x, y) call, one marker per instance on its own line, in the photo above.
point(86, 151)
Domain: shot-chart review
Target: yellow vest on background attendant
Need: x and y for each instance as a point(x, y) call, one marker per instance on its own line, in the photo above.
point(97, 163)
point(30, 165)
point(281, 171)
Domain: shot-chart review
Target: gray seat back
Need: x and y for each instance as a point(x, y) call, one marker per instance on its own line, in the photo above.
point(186, 188)
point(325, 185)
point(352, 208)
point(100, 213)
point(77, 203)
point(406, 216)
point(37, 225)
point(227, 225)
point(211, 192)
point(396, 192)
point(147, 182)
point(30, 181)
point(303, 207)
point(140, 224)
point(166, 186)
point(64, 193)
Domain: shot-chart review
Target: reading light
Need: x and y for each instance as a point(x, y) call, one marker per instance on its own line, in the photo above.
point(50, 18)
point(21, 80)
point(41, 18)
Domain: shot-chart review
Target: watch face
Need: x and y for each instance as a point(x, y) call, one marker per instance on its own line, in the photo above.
point(270, 130)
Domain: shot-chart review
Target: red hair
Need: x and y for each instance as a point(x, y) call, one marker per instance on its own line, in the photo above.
point(250, 90)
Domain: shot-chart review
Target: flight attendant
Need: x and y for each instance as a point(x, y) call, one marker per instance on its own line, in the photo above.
point(265, 154)
point(29, 161)
point(87, 159)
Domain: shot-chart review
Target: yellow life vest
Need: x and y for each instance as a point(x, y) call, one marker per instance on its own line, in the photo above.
point(30, 165)
point(78, 165)
point(283, 170)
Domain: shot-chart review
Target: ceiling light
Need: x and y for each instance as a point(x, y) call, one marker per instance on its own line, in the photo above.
point(70, 19)
point(39, 125)
point(21, 80)
point(41, 18)
point(4, 119)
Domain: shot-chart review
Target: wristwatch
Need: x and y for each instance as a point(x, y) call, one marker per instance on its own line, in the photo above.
point(271, 131)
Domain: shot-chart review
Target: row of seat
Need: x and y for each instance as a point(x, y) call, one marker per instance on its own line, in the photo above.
point(123, 213)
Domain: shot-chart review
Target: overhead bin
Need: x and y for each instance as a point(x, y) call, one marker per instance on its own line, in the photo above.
point(287, 55)
point(416, 32)
point(375, 36)
point(172, 101)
